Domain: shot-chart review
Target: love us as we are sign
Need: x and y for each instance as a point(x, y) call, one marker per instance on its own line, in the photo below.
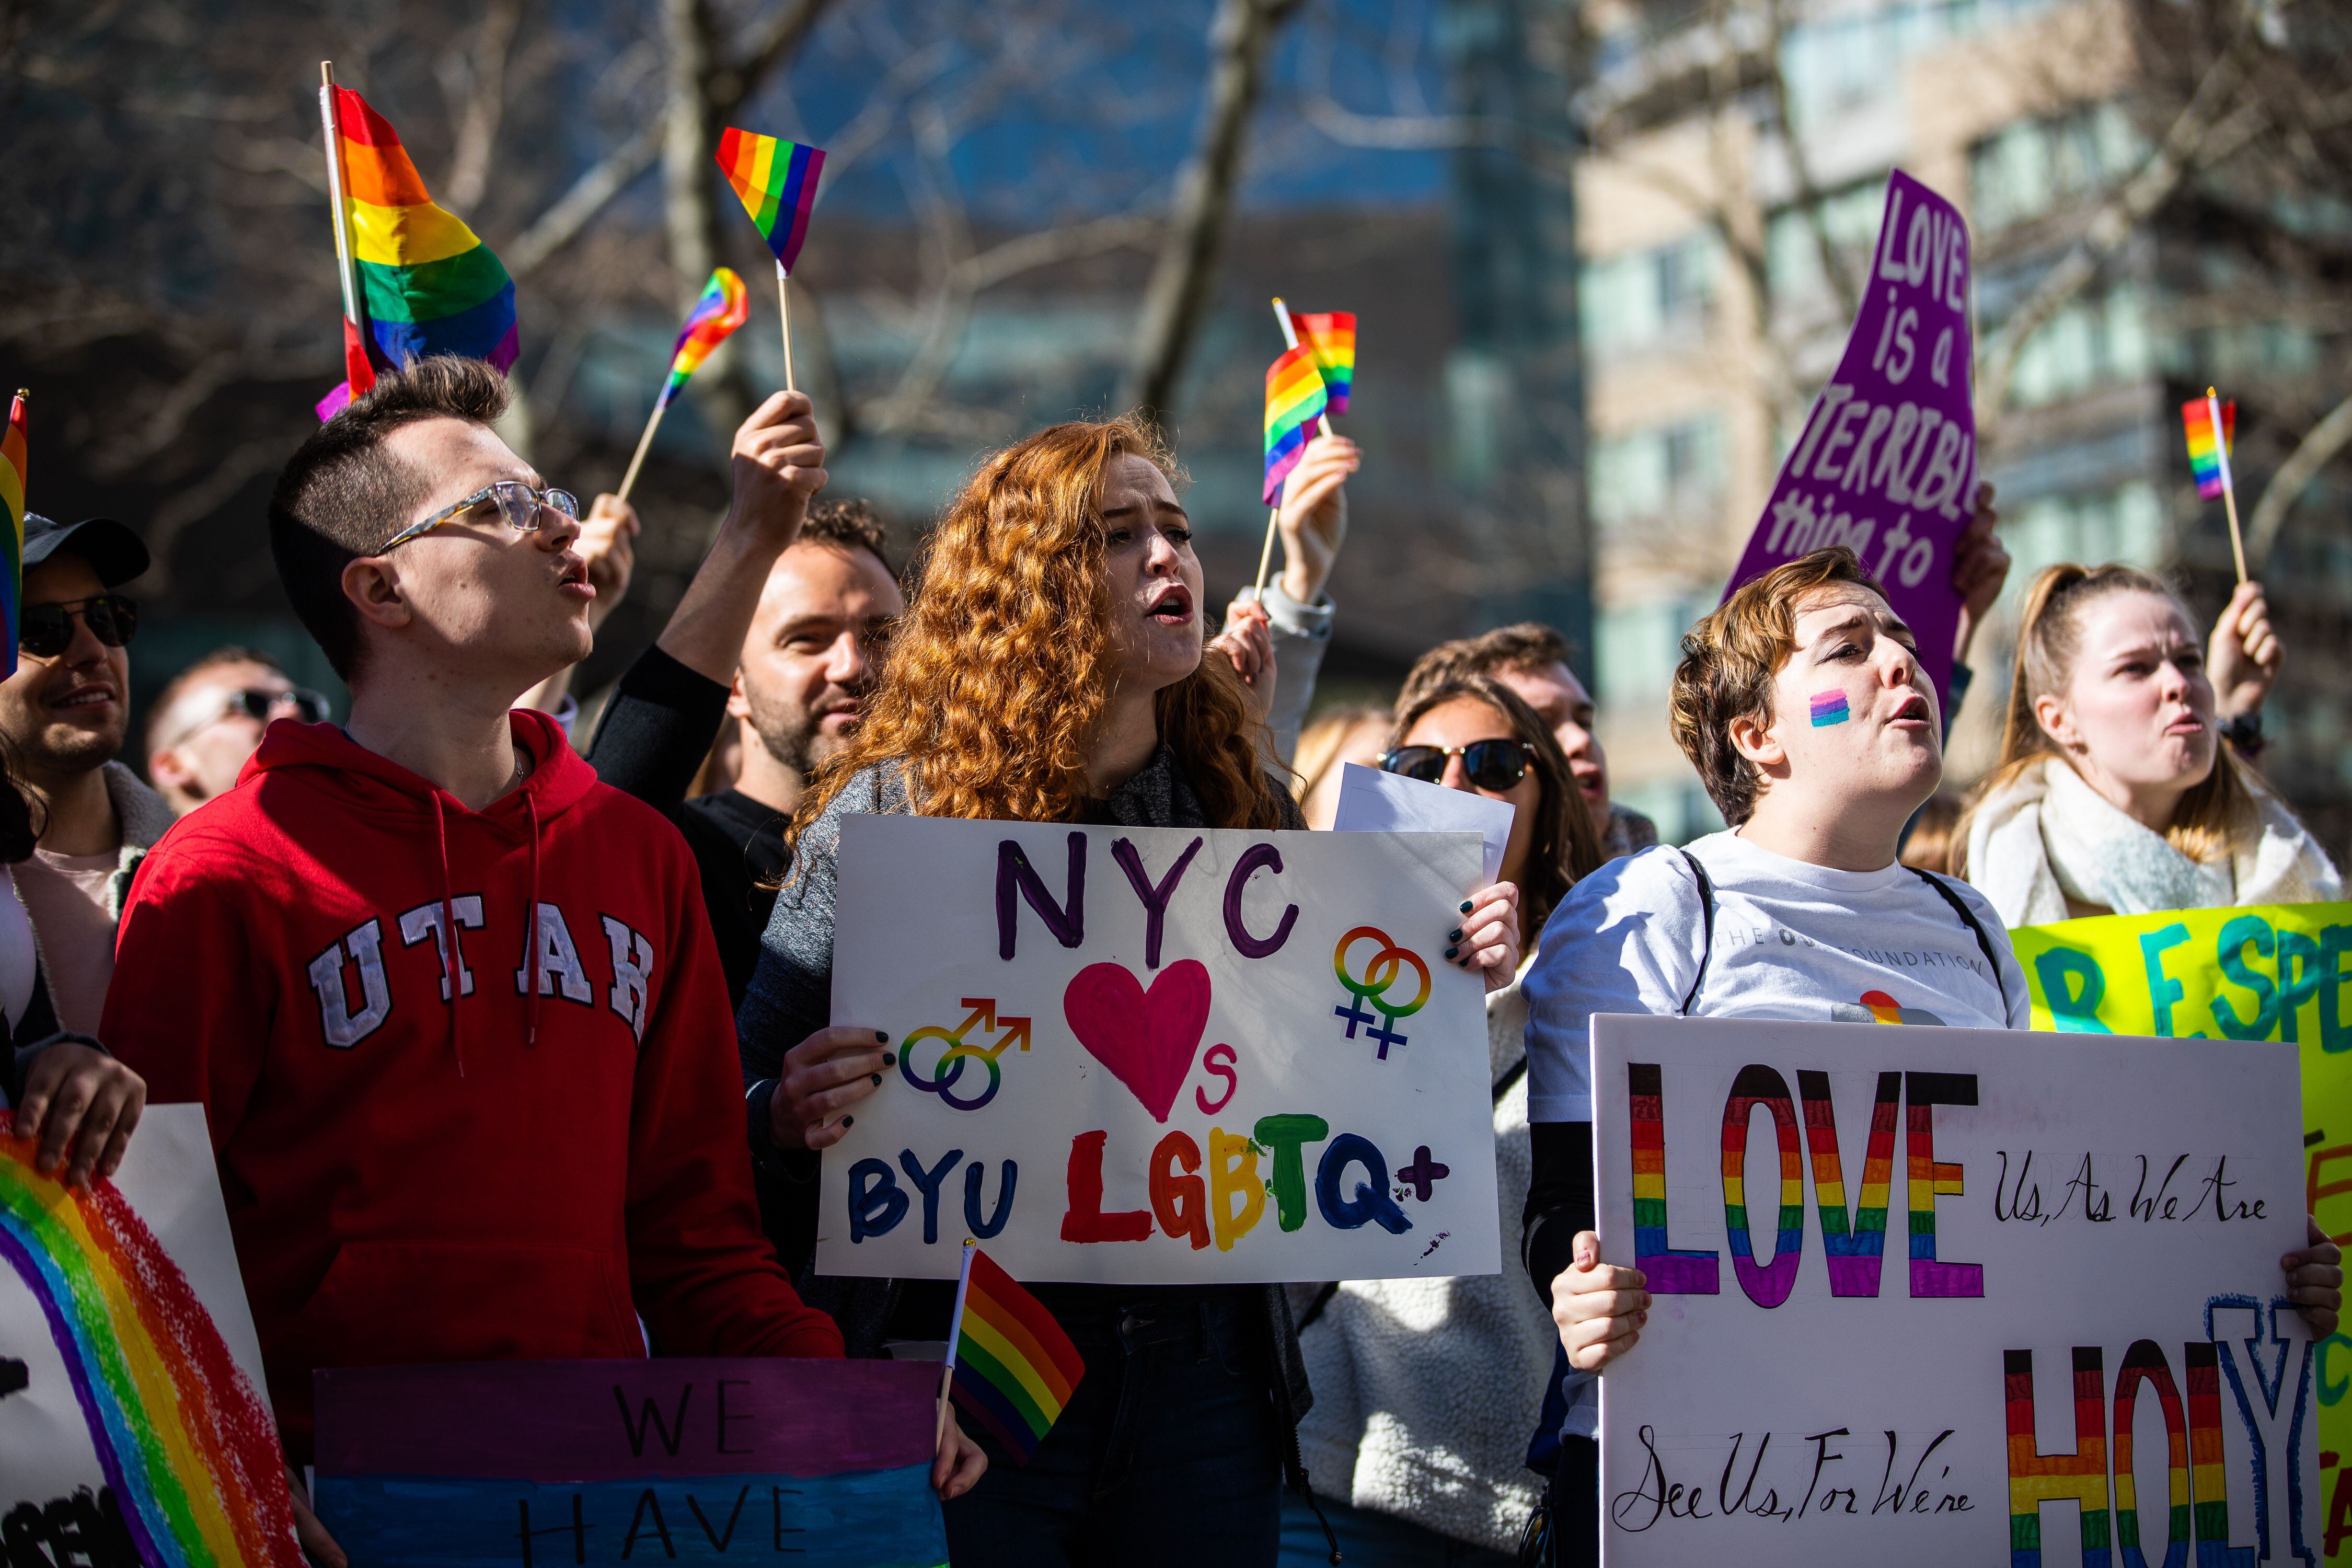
point(1161, 1056)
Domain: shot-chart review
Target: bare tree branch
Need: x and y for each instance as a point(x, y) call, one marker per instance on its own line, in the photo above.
point(2314, 452)
point(725, 90)
point(475, 81)
point(1177, 294)
point(2202, 135)
point(1801, 169)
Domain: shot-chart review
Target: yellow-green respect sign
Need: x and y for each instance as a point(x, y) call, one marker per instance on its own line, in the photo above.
point(2276, 973)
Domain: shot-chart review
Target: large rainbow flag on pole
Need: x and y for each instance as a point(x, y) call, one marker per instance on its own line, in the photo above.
point(776, 182)
point(1014, 1369)
point(1330, 339)
point(1294, 399)
point(190, 1454)
point(13, 450)
point(2209, 454)
point(426, 284)
point(724, 306)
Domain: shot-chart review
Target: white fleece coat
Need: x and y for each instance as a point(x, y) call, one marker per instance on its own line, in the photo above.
point(1426, 1391)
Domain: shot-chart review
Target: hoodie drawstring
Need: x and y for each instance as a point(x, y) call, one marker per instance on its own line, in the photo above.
point(530, 924)
point(448, 937)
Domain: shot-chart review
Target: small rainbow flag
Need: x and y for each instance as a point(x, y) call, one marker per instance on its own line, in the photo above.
point(427, 284)
point(1014, 1368)
point(12, 497)
point(722, 308)
point(1294, 399)
point(1330, 338)
point(190, 1455)
point(2209, 459)
point(776, 182)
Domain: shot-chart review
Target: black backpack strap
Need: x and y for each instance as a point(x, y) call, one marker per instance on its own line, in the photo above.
point(1707, 926)
point(1976, 929)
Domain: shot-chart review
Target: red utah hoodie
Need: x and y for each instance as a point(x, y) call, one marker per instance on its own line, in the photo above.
point(472, 1150)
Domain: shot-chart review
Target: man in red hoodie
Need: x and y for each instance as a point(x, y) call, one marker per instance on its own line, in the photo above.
point(451, 1004)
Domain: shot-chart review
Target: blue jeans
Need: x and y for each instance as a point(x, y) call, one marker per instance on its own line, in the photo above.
point(1368, 1539)
point(1167, 1454)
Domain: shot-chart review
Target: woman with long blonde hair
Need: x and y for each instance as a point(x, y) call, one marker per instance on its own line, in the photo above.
point(2115, 793)
point(1051, 668)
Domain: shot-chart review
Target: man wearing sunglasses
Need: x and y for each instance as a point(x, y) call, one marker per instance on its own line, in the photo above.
point(208, 722)
point(66, 710)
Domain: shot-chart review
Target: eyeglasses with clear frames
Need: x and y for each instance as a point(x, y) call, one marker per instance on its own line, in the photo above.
point(517, 503)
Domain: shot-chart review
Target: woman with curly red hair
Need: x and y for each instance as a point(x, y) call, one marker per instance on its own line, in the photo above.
point(1051, 669)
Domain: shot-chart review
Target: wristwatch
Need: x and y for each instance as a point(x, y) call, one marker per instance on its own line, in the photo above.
point(2244, 734)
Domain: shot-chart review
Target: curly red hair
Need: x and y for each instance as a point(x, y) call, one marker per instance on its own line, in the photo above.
point(996, 684)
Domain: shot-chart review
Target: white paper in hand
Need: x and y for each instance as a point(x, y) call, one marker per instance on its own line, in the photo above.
point(1372, 801)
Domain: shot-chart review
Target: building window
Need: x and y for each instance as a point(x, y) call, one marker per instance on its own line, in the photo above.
point(2091, 343)
point(1661, 472)
point(1646, 297)
point(2031, 169)
point(1793, 253)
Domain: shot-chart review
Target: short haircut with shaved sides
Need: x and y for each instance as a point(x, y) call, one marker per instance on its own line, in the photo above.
point(849, 523)
point(1529, 644)
point(342, 495)
point(1728, 662)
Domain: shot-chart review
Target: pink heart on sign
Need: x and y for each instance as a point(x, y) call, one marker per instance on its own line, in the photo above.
point(1147, 1038)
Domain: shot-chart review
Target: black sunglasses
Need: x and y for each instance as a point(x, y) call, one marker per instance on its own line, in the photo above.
point(260, 702)
point(45, 631)
point(1494, 765)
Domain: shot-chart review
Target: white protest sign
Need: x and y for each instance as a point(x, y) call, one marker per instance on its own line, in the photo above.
point(133, 1426)
point(2070, 1337)
point(1372, 800)
point(1160, 1055)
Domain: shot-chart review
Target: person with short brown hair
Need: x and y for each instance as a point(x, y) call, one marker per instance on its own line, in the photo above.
point(1533, 660)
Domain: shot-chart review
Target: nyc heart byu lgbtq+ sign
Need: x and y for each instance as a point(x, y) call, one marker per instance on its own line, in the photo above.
point(1161, 1056)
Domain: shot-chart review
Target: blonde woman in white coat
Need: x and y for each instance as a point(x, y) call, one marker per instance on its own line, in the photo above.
point(2115, 793)
point(1425, 1389)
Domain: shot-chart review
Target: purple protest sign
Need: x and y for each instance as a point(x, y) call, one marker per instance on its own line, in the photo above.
point(1886, 463)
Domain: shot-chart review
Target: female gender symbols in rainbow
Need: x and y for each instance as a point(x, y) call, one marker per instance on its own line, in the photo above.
point(189, 1453)
point(1380, 972)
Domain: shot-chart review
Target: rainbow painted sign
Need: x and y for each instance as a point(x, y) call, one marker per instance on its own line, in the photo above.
point(132, 1426)
point(2269, 973)
point(1157, 1056)
point(827, 1463)
point(2088, 1358)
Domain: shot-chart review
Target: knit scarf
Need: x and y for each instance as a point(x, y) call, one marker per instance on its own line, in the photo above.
point(2048, 838)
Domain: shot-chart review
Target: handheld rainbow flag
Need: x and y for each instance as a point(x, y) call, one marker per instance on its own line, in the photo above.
point(2212, 429)
point(421, 281)
point(2209, 458)
point(1329, 337)
point(724, 306)
point(194, 1472)
point(1014, 1367)
point(13, 450)
point(1294, 399)
point(776, 182)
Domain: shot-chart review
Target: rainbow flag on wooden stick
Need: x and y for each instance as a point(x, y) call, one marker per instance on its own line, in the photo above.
point(2209, 453)
point(724, 306)
point(1294, 399)
point(1330, 339)
point(12, 541)
point(1014, 1369)
point(427, 284)
point(776, 182)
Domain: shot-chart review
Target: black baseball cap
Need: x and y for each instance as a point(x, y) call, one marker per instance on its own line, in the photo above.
point(114, 551)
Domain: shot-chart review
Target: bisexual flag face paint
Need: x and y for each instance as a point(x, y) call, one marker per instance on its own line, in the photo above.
point(1829, 708)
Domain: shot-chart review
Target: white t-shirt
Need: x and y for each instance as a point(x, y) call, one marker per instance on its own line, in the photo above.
point(1792, 940)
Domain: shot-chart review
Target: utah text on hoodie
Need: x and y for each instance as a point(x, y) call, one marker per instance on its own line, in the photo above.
point(440, 1141)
